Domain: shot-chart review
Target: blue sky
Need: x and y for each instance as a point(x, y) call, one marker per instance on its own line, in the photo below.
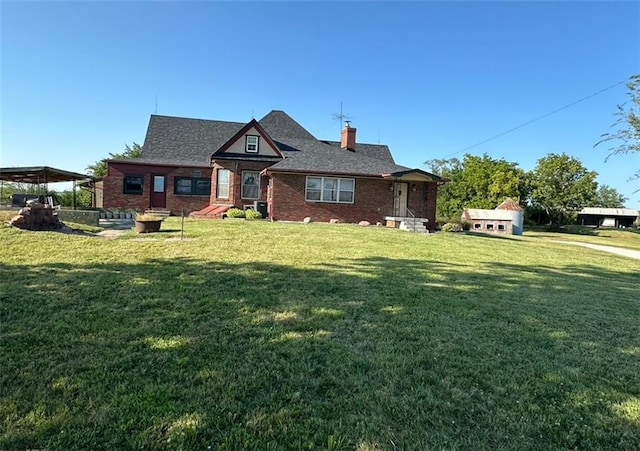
point(80, 79)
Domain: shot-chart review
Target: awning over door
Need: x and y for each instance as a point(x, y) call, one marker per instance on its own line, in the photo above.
point(415, 175)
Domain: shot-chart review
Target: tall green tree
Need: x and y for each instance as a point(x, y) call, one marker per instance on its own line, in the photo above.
point(83, 198)
point(449, 205)
point(561, 186)
point(608, 197)
point(477, 182)
point(626, 134)
point(99, 168)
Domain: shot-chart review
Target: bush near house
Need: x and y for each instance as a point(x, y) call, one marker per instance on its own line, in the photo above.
point(253, 214)
point(452, 227)
point(235, 213)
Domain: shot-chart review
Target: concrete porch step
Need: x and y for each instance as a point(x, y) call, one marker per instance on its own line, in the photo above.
point(413, 225)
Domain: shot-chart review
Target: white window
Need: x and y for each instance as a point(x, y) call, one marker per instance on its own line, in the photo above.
point(250, 185)
point(330, 189)
point(251, 144)
point(222, 185)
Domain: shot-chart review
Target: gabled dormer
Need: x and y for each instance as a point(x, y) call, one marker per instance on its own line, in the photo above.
point(251, 142)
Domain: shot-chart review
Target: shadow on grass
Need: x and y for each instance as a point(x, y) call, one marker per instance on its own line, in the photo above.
point(361, 352)
point(491, 235)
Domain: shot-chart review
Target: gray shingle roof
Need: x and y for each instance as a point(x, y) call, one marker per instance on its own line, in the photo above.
point(176, 140)
point(318, 156)
point(182, 139)
point(379, 151)
point(280, 125)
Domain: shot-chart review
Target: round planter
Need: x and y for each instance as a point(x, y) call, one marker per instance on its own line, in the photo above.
point(148, 226)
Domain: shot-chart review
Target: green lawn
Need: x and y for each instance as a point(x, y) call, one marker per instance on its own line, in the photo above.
point(257, 335)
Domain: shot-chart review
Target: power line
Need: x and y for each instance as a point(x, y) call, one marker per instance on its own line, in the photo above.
point(538, 118)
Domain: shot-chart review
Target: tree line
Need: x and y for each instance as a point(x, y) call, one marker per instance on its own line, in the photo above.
point(557, 188)
point(553, 191)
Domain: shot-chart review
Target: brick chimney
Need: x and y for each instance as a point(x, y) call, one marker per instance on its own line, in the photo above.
point(348, 139)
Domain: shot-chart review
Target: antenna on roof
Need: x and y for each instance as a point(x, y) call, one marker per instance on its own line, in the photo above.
point(252, 116)
point(342, 117)
point(378, 134)
point(156, 112)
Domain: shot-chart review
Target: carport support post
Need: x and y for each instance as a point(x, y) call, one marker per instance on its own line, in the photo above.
point(74, 193)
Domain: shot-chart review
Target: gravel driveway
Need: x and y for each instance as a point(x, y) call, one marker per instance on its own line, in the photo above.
point(611, 249)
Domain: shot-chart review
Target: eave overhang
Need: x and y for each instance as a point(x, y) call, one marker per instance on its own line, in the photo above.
point(415, 175)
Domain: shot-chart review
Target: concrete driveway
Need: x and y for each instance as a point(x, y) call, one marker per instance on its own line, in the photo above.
point(599, 247)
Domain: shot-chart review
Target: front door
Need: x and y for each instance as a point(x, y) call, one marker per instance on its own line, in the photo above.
point(158, 192)
point(400, 199)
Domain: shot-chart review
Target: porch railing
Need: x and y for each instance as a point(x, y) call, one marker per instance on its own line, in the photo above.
point(409, 213)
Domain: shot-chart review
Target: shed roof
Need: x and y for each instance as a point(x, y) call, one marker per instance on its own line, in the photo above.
point(611, 212)
point(480, 214)
point(40, 175)
point(509, 204)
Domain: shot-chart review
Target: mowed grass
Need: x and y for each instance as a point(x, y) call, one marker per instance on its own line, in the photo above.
point(257, 335)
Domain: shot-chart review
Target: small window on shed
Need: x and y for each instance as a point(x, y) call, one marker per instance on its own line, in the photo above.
point(500, 226)
point(477, 225)
point(197, 174)
point(489, 226)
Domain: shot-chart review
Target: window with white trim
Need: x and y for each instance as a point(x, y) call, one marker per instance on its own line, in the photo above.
point(330, 189)
point(222, 184)
point(250, 185)
point(251, 143)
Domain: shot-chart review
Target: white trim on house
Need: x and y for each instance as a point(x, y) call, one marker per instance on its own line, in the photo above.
point(328, 192)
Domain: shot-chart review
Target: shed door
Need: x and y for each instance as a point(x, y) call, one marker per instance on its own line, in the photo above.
point(400, 199)
point(158, 191)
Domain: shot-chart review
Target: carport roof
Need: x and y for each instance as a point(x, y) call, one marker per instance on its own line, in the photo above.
point(40, 174)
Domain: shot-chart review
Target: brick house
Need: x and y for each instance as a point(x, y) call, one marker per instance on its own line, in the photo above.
point(193, 164)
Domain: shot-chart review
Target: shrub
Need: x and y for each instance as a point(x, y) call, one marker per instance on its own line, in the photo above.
point(235, 213)
point(452, 227)
point(553, 228)
point(252, 214)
